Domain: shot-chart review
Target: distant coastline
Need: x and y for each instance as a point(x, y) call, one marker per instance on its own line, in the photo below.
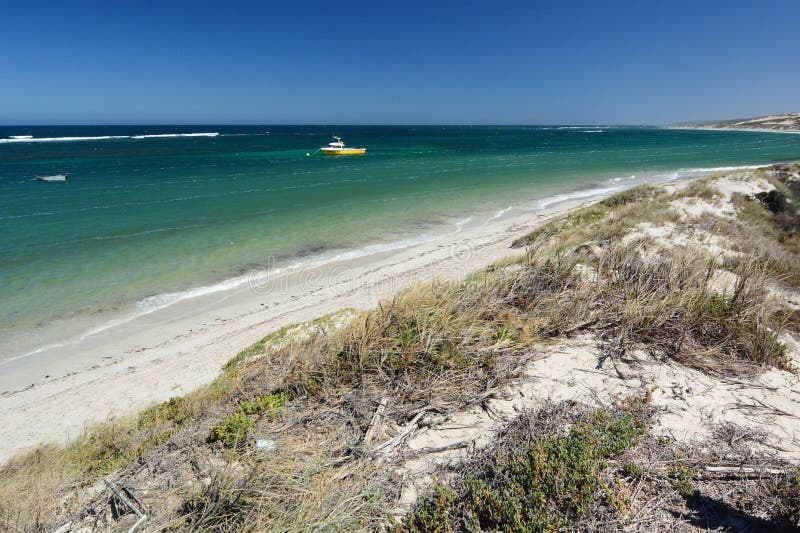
point(723, 128)
point(785, 123)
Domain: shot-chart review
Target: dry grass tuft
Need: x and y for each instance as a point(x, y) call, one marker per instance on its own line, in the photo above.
point(308, 481)
point(668, 306)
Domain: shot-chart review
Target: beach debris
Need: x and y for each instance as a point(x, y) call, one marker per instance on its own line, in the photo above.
point(375, 427)
point(265, 444)
point(746, 470)
point(398, 439)
point(63, 528)
point(126, 497)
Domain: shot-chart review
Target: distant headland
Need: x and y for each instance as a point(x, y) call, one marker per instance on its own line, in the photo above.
point(785, 122)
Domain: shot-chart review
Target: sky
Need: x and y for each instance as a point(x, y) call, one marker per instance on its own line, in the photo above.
point(400, 62)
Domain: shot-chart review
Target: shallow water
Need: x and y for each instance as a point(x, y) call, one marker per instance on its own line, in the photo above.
point(153, 215)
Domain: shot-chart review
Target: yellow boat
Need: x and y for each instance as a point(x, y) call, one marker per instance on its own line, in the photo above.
point(337, 147)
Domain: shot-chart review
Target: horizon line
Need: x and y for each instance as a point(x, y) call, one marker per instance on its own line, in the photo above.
point(517, 125)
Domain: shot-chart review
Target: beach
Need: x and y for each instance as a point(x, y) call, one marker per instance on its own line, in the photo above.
point(440, 373)
point(734, 128)
point(167, 253)
point(171, 352)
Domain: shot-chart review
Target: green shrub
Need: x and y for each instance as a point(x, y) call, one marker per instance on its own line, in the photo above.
point(432, 514)
point(633, 470)
point(232, 431)
point(773, 200)
point(683, 481)
point(547, 485)
point(269, 403)
point(175, 410)
point(788, 501)
point(578, 219)
point(700, 188)
point(256, 349)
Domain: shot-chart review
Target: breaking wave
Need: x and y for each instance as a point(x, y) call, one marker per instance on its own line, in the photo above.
point(32, 139)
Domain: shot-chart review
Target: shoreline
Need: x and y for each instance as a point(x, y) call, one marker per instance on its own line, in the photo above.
point(141, 371)
point(144, 370)
point(50, 342)
point(151, 359)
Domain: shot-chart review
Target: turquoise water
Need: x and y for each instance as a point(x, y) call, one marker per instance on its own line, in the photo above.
point(143, 219)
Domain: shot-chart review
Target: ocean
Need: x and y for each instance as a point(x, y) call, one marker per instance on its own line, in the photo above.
point(153, 215)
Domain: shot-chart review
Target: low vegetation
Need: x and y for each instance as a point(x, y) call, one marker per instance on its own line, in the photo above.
point(534, 481)
point(311, 391)
point(233, 429)
point(565, 467)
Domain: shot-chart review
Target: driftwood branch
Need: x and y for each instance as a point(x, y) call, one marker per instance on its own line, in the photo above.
point(743, 470)
point(400, 437)
point(376, 423)
point(121, 495)
point(142, 520)
point(449, 447)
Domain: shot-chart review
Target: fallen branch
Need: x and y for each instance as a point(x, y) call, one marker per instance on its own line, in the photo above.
point(142, 520)
point(397, 439)
point(439, 449)
point(375, 424)
point(750, 385)
point(763, 406)
point(779, 411)
point(743, 470)
point(123, 498)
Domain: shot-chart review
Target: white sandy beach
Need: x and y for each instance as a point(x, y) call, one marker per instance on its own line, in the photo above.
point(170, 352)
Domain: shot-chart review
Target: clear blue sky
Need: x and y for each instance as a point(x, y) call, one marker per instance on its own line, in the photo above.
point(400, 62)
